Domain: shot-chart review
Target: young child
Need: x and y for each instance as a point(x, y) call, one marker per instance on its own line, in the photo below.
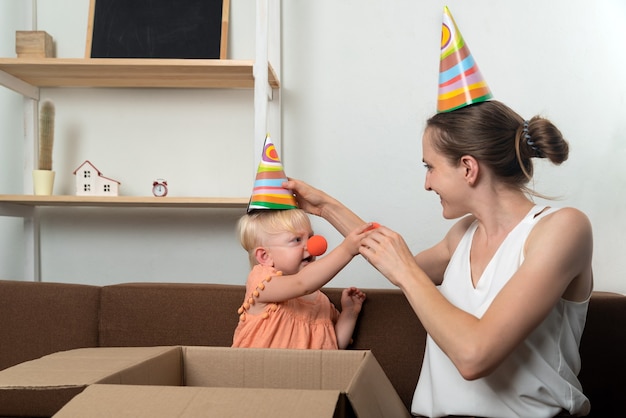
point(283, 306)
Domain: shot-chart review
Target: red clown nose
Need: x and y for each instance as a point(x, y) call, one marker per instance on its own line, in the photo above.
point(316, 245)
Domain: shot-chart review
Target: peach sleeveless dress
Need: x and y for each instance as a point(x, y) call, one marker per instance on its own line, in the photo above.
point(296, 323)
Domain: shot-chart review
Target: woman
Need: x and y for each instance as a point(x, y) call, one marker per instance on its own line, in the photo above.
point(504, 295)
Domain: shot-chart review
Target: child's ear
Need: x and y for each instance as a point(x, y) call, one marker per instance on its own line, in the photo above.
point(263, 257)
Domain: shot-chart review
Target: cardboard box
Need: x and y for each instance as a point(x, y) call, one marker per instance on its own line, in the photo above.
point(33, 44)
point(216, 382)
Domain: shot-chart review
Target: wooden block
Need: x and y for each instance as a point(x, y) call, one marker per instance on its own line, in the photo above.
point(33, 44)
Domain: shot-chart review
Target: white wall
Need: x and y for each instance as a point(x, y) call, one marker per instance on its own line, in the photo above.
point(359, 78)
point(12, 17)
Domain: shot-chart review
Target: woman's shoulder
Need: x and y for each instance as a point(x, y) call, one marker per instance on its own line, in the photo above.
point(558, 227)
point(565, 217)
point(563, 241)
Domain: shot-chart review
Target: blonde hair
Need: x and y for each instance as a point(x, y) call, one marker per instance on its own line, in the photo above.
point(254, 227)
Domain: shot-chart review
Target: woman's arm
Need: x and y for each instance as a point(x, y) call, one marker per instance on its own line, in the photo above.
point(558, 257)
point(316, 202)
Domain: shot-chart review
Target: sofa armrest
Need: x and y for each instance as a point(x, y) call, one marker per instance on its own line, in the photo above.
point(602, 349)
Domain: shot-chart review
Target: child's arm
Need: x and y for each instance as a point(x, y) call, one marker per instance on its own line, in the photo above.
point(351, 302)
point(316, 274)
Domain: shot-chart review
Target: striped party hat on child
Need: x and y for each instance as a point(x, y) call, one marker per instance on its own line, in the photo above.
point(268, 191)
point(460, 80)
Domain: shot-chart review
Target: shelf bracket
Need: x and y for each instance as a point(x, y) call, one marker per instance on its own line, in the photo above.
point(17, 211)
point(32, 261)
point(19, 86)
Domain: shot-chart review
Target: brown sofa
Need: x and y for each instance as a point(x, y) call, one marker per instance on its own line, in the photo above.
point(41, 318)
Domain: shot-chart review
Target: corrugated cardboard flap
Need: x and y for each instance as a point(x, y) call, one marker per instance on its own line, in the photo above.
point(122, 401)
point(371, 393)
point(84, 366)
point(355, 373)
point(161, 367)
point(41, 387)
point(270, 368)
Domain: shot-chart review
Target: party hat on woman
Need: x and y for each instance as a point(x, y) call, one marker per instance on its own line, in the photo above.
point(460, 80)
point(268, 191)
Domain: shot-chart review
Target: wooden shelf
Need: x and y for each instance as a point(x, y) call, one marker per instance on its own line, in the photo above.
point(124, 201)
point(132, 72)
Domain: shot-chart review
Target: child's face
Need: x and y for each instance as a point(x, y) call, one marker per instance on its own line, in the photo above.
point(288, 250)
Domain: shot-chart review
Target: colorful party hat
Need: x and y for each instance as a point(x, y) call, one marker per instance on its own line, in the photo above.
point(460, 81)
point(268, 191)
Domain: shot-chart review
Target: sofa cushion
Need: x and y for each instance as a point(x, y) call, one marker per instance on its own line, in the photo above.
point(150, 314)
point(42, 318)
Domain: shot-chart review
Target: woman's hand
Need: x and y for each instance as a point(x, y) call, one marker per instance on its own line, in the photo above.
point(387, 251)
point(309, 199)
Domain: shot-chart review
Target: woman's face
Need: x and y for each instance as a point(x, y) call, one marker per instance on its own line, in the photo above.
point(444, 178)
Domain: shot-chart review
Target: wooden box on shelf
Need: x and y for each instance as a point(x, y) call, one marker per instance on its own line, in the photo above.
point(33, 44)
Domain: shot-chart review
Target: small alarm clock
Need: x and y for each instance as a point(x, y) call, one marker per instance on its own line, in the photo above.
point(159, 188)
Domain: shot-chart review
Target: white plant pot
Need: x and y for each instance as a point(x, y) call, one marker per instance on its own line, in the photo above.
point(43, 182)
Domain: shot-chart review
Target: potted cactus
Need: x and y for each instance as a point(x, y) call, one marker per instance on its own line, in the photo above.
point(43, 177)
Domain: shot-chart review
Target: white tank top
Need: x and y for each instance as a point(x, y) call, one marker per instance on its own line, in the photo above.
point(538, 379)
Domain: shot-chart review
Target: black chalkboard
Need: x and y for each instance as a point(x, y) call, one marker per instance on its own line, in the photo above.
point(158, 29)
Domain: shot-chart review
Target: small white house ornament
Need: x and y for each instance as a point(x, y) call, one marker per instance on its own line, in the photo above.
point(91, 182)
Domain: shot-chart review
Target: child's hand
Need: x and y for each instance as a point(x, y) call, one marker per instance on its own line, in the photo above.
point(353, 239)
point(352, 300)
